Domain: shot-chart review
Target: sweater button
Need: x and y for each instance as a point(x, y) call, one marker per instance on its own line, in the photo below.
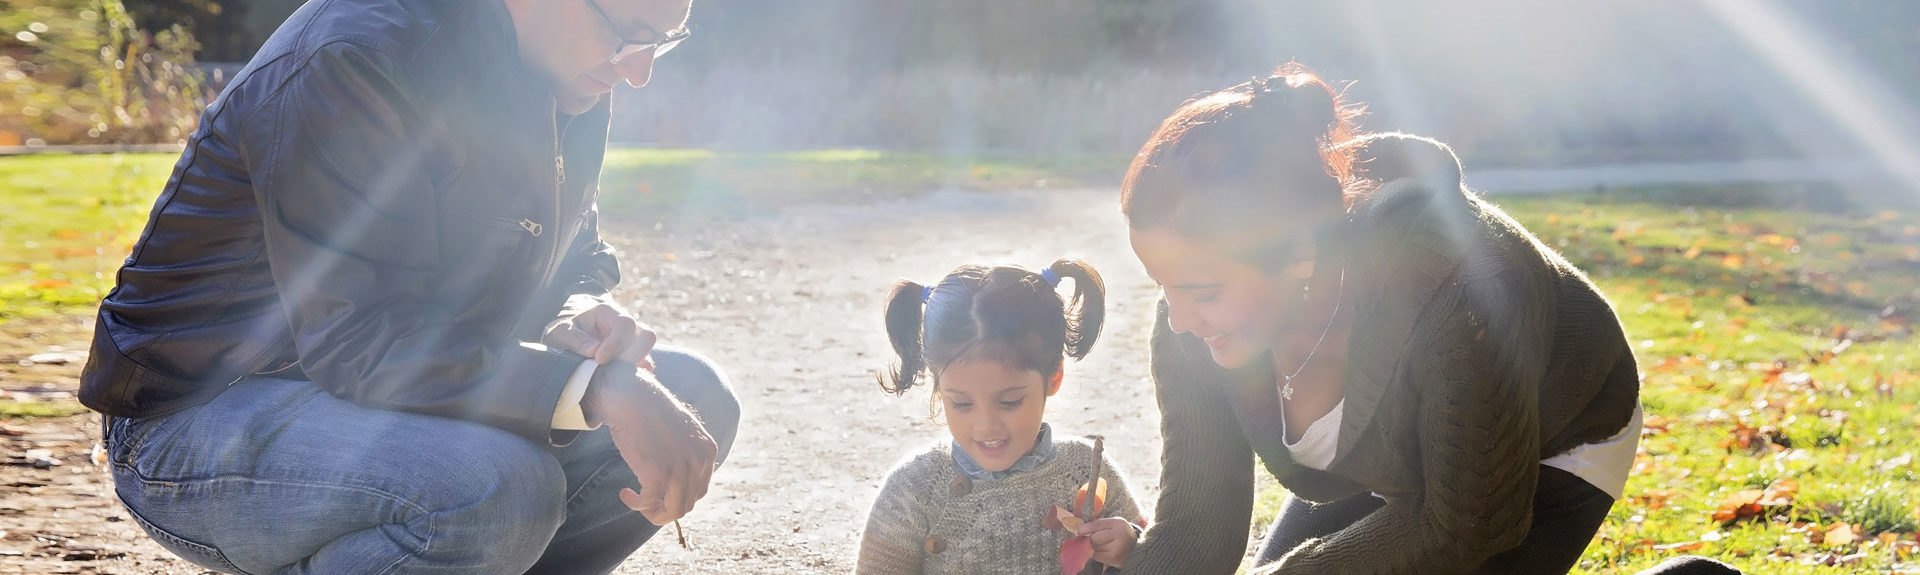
point(960, 486)
point(936, 545)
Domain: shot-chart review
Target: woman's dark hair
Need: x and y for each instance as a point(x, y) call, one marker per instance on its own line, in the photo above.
point(1231, 164)
point(1006, 314)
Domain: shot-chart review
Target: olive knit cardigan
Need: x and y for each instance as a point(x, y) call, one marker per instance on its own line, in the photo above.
point(1475, 353)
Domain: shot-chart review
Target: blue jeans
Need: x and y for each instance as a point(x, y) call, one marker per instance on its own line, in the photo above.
point(277, 476)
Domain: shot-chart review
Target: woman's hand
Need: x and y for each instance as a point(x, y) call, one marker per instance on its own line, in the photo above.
point(1112, 537)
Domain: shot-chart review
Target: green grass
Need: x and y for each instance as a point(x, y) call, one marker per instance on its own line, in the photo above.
point(69, 221)
point(1755, 314)
point(638, 183)
point(10, 409)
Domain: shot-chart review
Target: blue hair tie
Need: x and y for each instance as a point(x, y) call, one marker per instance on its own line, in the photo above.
point(926, 293)
point(1052, 279)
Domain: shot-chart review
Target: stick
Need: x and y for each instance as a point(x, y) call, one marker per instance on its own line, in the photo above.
point(1093, 487)
point(682, 536)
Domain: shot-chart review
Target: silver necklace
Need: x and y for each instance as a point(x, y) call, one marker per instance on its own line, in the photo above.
point(1286, 383)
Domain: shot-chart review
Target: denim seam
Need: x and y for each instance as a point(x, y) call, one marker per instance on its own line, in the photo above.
point(156, 531)
point(592, 479)
point(425, 547)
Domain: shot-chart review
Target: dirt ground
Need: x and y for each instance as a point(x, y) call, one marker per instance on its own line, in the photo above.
point(788, 302)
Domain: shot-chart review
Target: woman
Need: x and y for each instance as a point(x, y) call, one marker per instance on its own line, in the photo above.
point(1440, 392)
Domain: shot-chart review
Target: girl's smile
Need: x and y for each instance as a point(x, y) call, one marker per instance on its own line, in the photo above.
point(994, 410)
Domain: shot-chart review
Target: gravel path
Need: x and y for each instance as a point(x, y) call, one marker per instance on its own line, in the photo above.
point(788, 302)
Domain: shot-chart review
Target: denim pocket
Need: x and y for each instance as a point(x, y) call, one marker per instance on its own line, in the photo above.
point(202, 555)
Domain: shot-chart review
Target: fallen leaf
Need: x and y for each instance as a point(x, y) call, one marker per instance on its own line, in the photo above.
point(1060, 518)
point(1841, 534)
point(1680, 547)
point(1074, 555)
point(1051, 518)
point(1741, 504)
point(1779, 494)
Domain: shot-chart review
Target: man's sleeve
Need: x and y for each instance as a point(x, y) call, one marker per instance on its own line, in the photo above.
point(589, 272)
point(338, 158)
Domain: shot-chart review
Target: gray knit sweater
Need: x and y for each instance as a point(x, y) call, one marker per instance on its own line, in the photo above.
point(931, 519)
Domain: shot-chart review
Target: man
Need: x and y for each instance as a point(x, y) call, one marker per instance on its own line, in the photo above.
point(319, 357)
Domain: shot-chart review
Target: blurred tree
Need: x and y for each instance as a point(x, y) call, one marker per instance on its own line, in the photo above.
point(82, 72)
point(219, 26)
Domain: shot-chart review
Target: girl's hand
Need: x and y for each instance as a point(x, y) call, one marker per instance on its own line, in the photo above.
point(1112, 539)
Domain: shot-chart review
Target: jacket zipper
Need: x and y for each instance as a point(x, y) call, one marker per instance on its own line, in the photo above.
point(559, 190)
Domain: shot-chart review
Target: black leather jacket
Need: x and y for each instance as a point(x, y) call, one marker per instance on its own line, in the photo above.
point(383, 202)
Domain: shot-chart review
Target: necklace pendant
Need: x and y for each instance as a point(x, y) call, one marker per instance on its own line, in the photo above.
point(1286, 389)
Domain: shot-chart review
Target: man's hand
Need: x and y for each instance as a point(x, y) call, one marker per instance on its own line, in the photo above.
point(663, 443)
point(1112, 537)
point(605, 333)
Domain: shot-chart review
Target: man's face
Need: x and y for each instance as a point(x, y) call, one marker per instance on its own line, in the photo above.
point(579, 40)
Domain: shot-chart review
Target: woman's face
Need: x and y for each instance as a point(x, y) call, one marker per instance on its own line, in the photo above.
point(994, 409)
point(1238, 310)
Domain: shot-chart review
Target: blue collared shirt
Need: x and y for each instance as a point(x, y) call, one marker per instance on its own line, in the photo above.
point(1043, 452)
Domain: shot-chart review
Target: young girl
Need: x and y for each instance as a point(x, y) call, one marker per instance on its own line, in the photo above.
point(994, 341)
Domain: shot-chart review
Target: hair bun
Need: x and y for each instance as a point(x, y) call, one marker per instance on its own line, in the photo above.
point(1292, 99)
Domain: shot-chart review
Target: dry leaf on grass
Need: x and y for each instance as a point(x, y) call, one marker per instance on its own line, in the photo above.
point(1743, 503)
point(1840, 534)
point(1754, 502)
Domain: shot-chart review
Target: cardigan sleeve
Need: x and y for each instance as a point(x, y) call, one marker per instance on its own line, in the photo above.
point(1206, 474)
point(1479, 456)
point(892, 543)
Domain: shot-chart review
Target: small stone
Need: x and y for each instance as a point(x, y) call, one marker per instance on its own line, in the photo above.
point(52, 358)
point(936, 545)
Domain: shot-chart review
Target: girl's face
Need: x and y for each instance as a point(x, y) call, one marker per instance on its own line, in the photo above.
point(994, 409)
point(1237, 309)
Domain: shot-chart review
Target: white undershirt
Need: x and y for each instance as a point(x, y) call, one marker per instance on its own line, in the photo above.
point(1603, 464)
point(567, 414)
point(1317, 444)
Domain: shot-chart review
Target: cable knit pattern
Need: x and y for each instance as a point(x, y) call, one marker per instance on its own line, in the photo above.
point(931, 519)
point(1476, 352)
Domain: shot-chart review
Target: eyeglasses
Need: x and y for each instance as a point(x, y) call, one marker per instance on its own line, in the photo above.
point(660, 45)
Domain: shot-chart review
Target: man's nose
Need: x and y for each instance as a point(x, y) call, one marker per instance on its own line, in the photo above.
point(637, 70)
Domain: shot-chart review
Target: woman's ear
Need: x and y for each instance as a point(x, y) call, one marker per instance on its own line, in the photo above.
point(1059, 373)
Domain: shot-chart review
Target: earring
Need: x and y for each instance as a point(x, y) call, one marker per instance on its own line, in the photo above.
point(1306, 292)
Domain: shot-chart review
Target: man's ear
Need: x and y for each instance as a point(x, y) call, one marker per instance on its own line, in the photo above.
point(1059, 372)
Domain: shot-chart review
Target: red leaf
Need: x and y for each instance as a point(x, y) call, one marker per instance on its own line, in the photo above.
point(1074, 555)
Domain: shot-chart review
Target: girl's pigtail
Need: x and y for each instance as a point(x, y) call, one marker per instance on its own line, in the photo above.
point(905, 306)
point(1087, 310)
